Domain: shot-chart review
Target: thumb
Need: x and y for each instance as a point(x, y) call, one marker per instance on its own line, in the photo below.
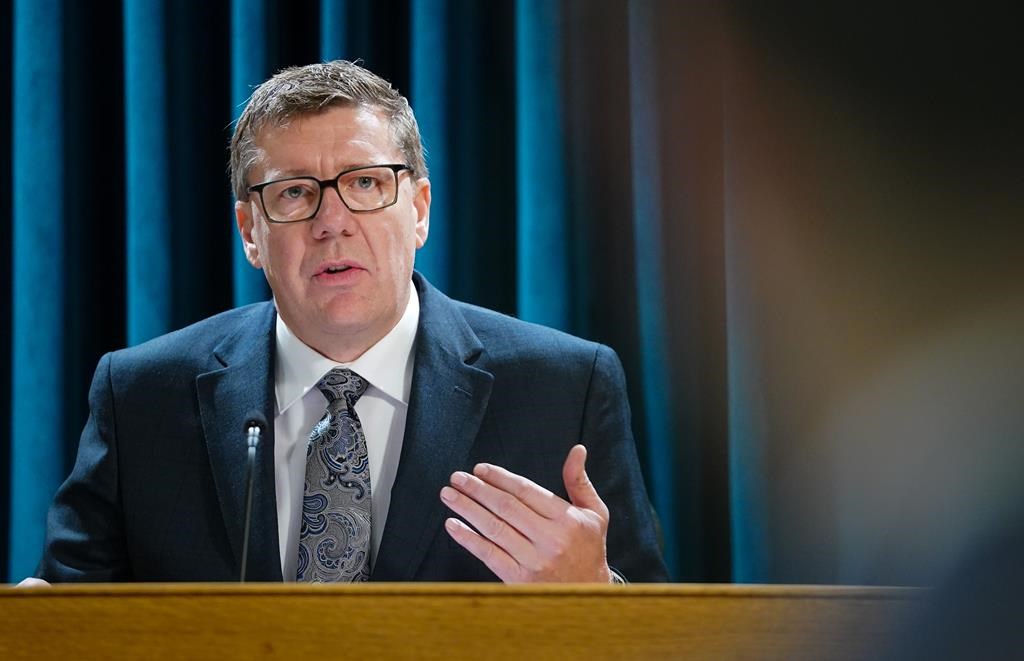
point(581, 491)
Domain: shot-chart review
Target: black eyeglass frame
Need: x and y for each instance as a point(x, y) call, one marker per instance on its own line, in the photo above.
point(396, 168)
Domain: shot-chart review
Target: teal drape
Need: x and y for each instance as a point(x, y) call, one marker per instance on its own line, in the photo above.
point(547, 202)
point(149, 224)
point(38, 286)
point(648, 182)
point(544, 295)
point(790, 224)
point(6, 357)
point(465, 105)
point(430, 85)
point(250, 65)
point(335, 23)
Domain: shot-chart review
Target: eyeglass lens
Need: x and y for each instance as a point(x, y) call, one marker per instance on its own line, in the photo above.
point(366, 189)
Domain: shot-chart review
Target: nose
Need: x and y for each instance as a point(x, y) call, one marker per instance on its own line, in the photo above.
point(333, 217)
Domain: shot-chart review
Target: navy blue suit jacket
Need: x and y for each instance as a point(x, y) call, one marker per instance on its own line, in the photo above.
point(157, 491)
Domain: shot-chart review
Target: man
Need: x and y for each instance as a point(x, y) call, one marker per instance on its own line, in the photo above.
point(449, 446)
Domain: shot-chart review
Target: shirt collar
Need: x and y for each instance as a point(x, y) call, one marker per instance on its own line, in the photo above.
point(387, 365)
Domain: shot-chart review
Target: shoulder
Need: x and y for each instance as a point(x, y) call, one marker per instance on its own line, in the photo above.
point(194, 347)
point(507, 339)
point(503, 340)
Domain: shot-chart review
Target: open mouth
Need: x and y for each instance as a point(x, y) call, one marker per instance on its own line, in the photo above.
point(336, 269)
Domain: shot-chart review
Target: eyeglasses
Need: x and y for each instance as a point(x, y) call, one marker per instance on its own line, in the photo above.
point(363, 189)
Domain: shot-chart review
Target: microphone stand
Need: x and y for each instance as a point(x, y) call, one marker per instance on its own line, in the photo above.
point(253, 434)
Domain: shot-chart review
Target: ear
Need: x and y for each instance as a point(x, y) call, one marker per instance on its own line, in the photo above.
point(245, 221)
point(422, 205)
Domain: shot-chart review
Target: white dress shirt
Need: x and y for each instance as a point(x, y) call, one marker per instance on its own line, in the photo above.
point(388, 367)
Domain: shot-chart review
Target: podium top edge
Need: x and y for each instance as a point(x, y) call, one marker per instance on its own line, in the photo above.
point(580, 590)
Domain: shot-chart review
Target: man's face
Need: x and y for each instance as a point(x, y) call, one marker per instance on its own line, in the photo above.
point(341, 314)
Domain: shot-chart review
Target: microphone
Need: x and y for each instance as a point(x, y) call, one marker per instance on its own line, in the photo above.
point(255, 425)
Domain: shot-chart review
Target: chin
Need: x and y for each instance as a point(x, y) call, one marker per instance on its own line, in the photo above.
point(343, 324)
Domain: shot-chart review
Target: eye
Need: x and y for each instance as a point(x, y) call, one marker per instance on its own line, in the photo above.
point(293, 192)
point(366, 182)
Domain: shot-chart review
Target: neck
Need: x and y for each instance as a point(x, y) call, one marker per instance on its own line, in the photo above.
point(348, 345)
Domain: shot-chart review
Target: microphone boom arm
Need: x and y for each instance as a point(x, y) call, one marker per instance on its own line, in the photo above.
point(253, 431)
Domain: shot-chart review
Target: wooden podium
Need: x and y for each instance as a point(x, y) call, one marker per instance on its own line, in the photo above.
point(448, 621)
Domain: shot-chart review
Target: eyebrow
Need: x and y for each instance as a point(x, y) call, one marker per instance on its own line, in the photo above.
point(287, 173)
point(291, 172)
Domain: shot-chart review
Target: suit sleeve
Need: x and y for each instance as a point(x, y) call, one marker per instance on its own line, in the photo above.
point(612, 464)
point(85, 538)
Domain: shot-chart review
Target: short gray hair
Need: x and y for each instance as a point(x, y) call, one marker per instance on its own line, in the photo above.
point(311, 89)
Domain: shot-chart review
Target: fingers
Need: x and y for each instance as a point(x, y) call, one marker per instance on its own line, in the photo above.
point(33, 583)
point(497, 560)
point(578, 485)
point(529, 493)
point(498, 517)
point(502, 521)
point(523, 532)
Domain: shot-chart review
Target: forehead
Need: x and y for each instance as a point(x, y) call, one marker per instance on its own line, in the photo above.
point(333, 139)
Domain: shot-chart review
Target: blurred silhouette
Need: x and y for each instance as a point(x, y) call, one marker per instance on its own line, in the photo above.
point(875, 218)
point(976, 612)
point(878, 203)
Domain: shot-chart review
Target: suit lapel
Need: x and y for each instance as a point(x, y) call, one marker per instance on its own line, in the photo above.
point(449, 395)
point(244, 383)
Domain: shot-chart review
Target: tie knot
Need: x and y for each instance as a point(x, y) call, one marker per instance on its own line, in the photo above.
point(341, 383)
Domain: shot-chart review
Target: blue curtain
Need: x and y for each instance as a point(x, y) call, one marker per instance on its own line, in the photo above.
point(544, 295)
point(6, 355)
point(431, 85)
point(250, 65)
point(148, 227)
point(648, 180)
point(546, 201)
point(38, 250)
point(766, 213)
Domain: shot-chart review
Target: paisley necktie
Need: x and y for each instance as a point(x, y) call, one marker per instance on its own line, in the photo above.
point(334, 536)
